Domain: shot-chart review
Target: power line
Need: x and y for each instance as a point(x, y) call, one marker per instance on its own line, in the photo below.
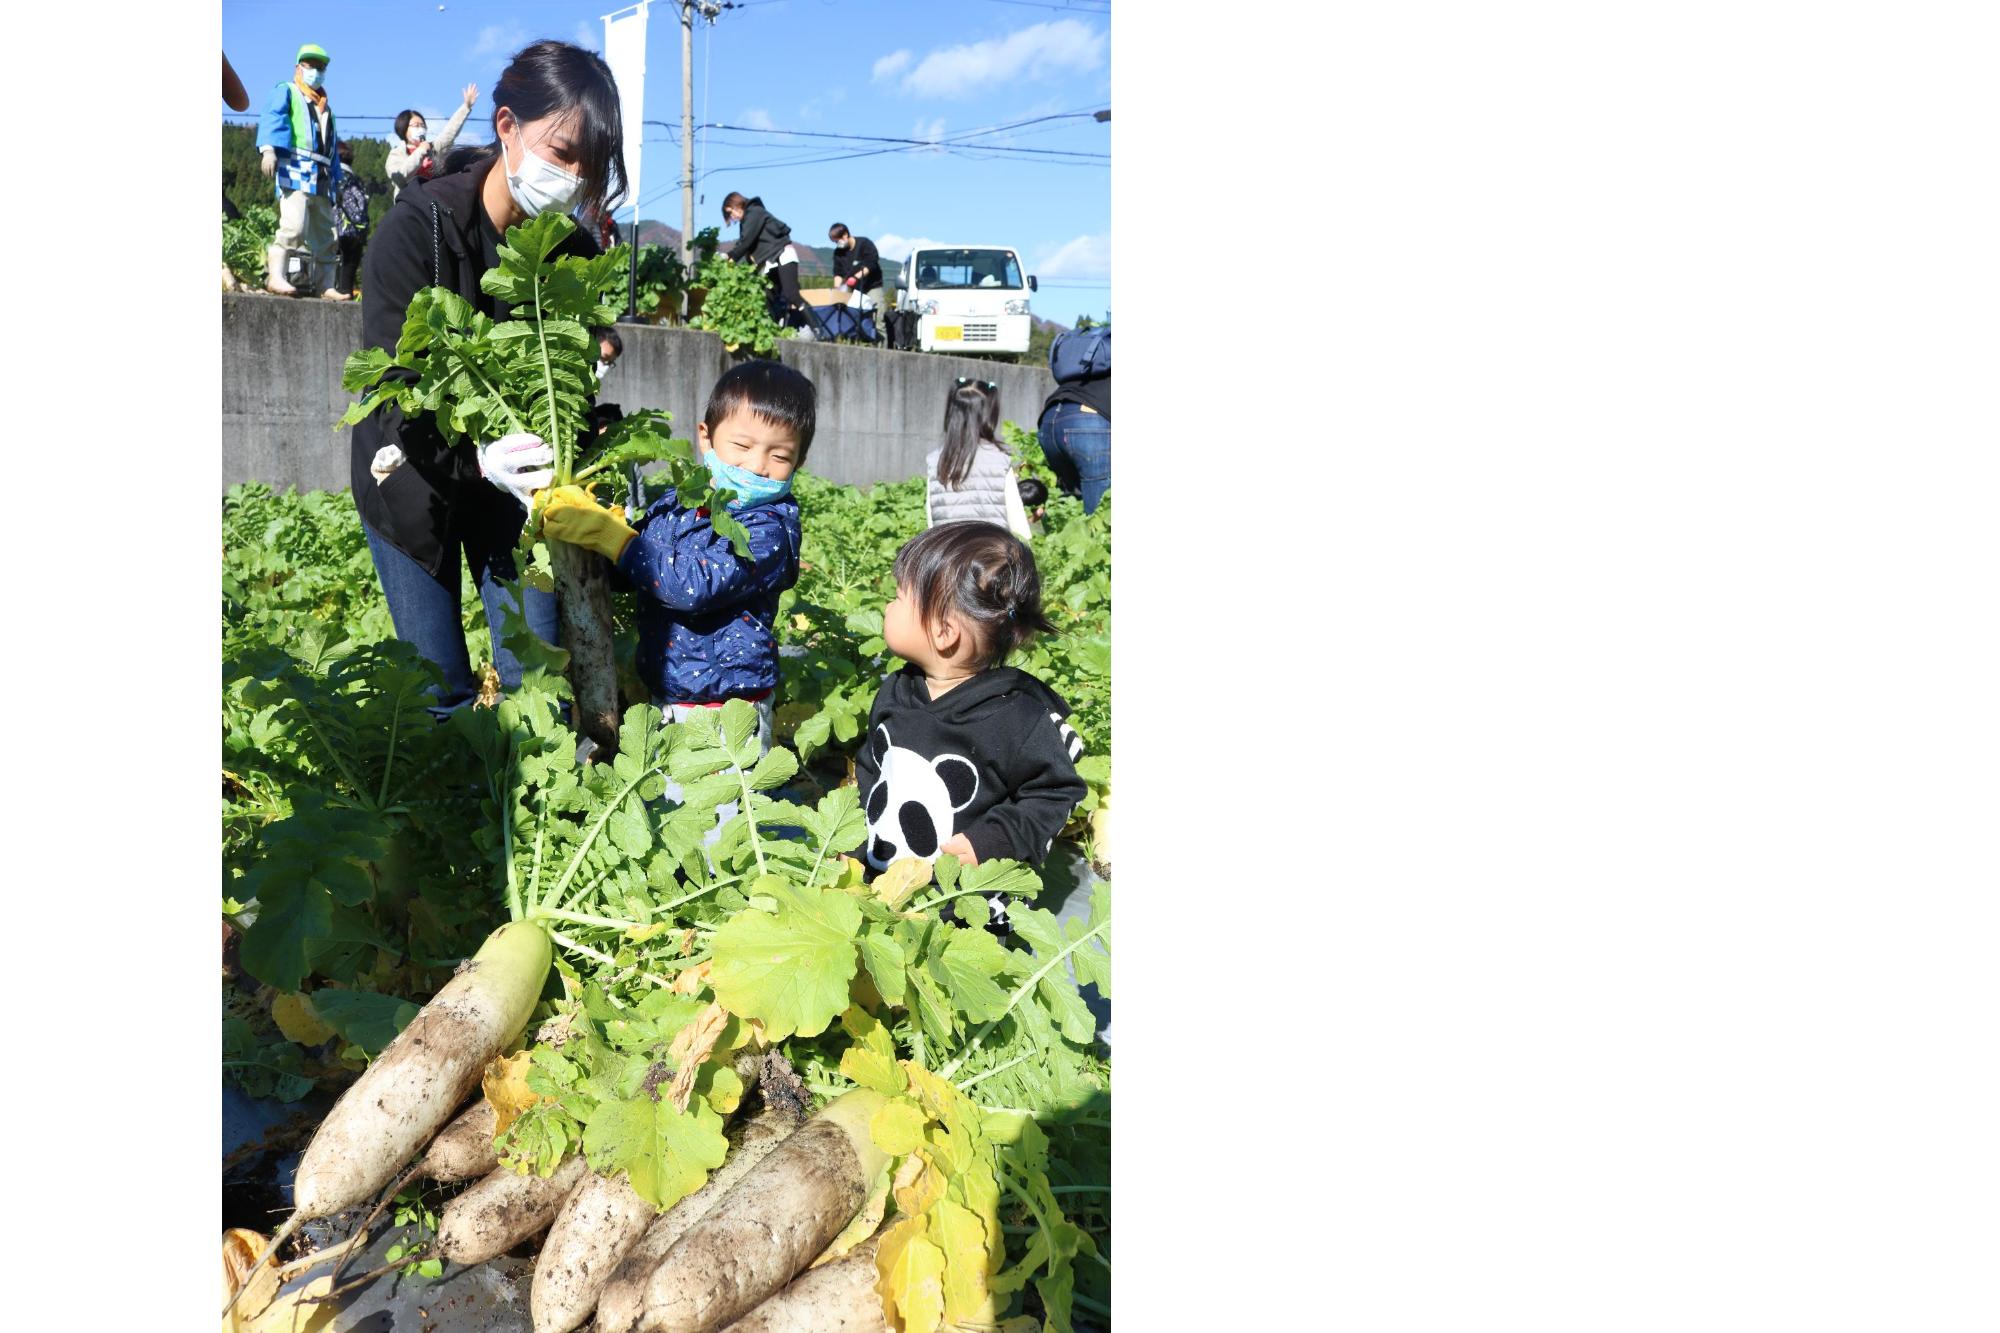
point(877, 138)
point(901, 146)
point(1043, 4)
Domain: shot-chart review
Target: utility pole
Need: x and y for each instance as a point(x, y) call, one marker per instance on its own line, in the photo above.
point(709, 9)
point(687, 138)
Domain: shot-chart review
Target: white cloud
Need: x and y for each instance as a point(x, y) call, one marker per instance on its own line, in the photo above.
point(1084, 257)
point(931, 132)
point(498, 39)
point(899, 248)
point(1063, 46)
point(757, 118)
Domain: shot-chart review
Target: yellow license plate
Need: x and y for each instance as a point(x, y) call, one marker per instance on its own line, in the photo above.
point(949, 332)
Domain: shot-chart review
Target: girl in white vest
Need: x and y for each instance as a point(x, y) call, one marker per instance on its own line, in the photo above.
point(972, 474)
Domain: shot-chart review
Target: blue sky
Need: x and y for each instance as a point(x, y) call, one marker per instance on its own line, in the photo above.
point(906, 69)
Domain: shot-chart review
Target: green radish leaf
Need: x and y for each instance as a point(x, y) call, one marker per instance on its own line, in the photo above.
point(788, 970)
point(1002, 876)
point(629, 828)
point(364, 1018)
point(774, 770)
point(346, 882)
point(290, 916)
point(967, 964)
point(883, 957)
point(837, 825)
point(666, 1154)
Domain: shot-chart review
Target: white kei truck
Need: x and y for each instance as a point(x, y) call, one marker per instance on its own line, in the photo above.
point(968, 298)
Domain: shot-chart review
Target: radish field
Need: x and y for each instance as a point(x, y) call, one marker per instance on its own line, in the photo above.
point(669, 1047)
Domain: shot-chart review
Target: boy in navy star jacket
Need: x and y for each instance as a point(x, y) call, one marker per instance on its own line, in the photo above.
point(707, 616)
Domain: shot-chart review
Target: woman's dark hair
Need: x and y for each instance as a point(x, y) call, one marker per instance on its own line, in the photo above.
point(732, 200)
point(984, 575)
point(555, 79)
point(403, 119)
point(966, 413)
point(345, 152)
point(773, 393)
point(604, 333)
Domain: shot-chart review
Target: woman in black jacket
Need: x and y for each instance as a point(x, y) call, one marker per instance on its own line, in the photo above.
point(767, 243)
point(423, 496)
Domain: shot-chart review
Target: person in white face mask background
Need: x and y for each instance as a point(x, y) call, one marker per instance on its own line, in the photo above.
point(429, 500)
point(295, 140)
point(415, 154)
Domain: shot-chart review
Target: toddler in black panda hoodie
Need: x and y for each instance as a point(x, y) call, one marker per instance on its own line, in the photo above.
point(964, 756)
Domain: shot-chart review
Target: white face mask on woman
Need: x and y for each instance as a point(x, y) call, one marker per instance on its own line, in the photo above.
point(418, 134)
point(540, 185)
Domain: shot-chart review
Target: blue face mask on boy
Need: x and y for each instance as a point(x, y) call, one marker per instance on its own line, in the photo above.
point(751, 489)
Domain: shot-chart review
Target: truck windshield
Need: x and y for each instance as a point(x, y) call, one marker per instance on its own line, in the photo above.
point(968, 268)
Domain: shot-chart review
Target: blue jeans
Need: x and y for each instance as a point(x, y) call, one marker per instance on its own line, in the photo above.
point(426, 613)
point(1078, 446)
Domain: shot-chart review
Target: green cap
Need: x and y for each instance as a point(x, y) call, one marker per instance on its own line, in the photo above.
point(311, 51)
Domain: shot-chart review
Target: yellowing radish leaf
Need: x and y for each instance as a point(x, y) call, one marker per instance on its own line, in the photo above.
point(961, 1237)
point(898, 1128)
point(903, 878)
point(872, 1070)
point(295, 1018)
point(505, 1083)
point(918, 1185)
point(910, 1278)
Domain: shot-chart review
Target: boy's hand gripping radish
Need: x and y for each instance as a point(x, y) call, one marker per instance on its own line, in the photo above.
point(573, 516)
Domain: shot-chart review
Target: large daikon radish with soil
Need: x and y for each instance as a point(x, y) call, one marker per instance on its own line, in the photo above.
point(413, 1087)
point(503, 1210)
point(839, 1297)
point(603, 1219)
point(619, 1303)
point(780, 1217)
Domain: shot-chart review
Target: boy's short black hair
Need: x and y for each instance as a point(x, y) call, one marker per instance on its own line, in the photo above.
point(984, 575)
point(774, 393)
point(604, 333)
point(345, 152)
point(837, 232)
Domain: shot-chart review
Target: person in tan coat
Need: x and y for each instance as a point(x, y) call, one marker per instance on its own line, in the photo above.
point(415, 155)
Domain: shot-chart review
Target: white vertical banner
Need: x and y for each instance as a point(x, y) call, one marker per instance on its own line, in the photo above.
point(625, 52)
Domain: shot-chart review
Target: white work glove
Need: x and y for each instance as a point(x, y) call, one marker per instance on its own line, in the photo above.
point(512, 462)
point(387, 459)
point(269, 162)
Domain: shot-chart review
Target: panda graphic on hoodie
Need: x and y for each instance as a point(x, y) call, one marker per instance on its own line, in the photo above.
point(992, 758)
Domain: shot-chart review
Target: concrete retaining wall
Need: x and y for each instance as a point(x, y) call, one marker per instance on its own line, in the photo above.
point(880, 412)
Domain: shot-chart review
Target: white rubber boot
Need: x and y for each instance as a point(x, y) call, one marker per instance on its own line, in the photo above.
point(274, 272)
